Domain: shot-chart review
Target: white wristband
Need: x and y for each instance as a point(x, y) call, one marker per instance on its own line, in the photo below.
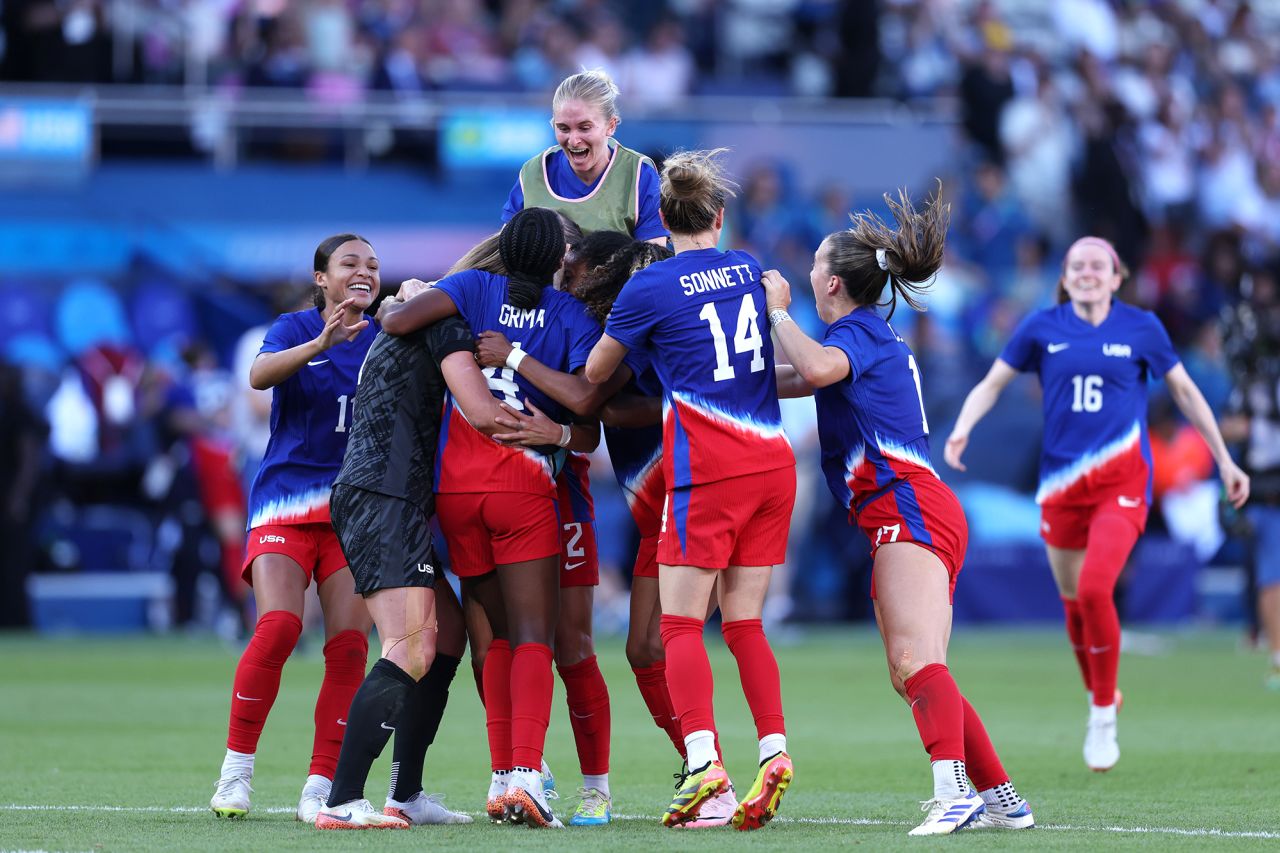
point(566, 435)
point(515, 357)
point(778, 316)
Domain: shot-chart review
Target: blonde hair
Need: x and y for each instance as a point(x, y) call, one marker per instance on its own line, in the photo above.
point(694, 189)
point(593, 87)
point(483, 256)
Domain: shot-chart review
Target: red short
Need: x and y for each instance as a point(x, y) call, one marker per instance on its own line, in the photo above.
point(314, 547)
point(486, 530)
point(1067, 525)
point(579, 557)
point(920, 510)
point(646, 565)
point(740, 521)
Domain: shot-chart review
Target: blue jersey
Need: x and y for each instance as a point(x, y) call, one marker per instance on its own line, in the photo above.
point(310, 421)
point(565, 183)
point(1095, 395)
point(636, 454)
point(557, 332)
point(871, 424)
point(700, 315)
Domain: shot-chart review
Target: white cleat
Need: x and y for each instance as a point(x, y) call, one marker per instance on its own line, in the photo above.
point(527, 802)
point(424, 810)
point(315, 793)
point(231, 797)
point(997, 817)
point(946, 816)
point(357, 814)
point(714, 812)
point(1101, 749)
point(496, 803)
point(548, 778)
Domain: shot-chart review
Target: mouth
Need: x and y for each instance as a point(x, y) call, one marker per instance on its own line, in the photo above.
point(578, 153)
point(360, 288)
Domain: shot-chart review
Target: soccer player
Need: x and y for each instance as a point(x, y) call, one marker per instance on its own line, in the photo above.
point(587, 175)
point(606, 263)
point(728, 468)
point(381, 505)
point(1094, 355)
point(875, 454)
point(310, 360)
point(497, 503)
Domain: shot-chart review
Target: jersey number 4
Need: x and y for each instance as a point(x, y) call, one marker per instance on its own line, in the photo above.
point(745, 339)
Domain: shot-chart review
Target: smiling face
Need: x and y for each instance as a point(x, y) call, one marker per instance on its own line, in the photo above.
point(352, 274)
point(583, 132)
point(1090, 276)
point(820, 280)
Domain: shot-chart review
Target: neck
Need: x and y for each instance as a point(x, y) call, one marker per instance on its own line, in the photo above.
point(689, 242)
point(1092, 313)
point(353, 314)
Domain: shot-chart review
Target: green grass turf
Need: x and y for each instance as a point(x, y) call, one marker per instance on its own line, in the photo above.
point(140, 724)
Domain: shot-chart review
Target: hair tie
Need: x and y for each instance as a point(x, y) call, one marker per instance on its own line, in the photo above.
point(882, 258)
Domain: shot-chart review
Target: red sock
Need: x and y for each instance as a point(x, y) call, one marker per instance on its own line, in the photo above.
point(688, 674)
point(1075, 633)
point(257, 680)
point(980, 757)
point(587, 696)
point(345, 659)
point(938, 707)
point(758, 669)
point(652, 681)
point(531, 687)
point(1111, 538)
point(497, 707)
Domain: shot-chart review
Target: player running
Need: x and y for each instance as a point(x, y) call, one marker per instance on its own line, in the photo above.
point(310, 360)
point(1094, 355)
point(497, 503)
point(875, 454)
point(728, 468)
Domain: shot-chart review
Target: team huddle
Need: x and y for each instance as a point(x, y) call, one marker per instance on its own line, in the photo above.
point(475, 398)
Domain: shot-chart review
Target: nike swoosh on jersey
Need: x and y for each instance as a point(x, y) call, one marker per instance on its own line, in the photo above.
point(317, 363)
point(1129, 502)
point(1052, 348)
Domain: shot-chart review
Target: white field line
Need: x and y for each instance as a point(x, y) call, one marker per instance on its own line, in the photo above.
point(832, 821)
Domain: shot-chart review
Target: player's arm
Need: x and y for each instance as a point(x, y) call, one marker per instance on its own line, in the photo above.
point(269, 369)
point(817, 365)
point(423, 309)
point(790, 382)
point(1192, 404)
point(471, 392)
point(535, 429)
point(604, 360)
point(570, 390)
point(631, 411)
point(976, 405)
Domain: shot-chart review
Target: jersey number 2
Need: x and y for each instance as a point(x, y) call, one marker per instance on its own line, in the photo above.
point(745, 339)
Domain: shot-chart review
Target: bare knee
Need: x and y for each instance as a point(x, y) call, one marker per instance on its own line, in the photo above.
point(413, 654)
point(907, 660)
point(573, 647)
point(644, 651)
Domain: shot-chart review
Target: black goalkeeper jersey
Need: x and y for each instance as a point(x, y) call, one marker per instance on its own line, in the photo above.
point(396, 417)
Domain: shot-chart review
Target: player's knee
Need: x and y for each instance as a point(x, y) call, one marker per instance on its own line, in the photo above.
point(1090, 595)
point(573, 648)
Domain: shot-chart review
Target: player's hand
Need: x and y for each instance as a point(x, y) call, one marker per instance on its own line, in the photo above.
point(530, 430)
point(956, 443)
point(1236, 483)
point(410, 288)
point(335, 331)
point(492, 349)
point(777, 291)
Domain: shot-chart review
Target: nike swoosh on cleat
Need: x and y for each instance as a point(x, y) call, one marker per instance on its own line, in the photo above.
point(345, 818)
point(246, 698)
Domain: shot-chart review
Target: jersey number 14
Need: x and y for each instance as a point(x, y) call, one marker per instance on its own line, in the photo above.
point(746, 338)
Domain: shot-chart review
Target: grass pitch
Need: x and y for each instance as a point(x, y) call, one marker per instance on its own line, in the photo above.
point(114, 745)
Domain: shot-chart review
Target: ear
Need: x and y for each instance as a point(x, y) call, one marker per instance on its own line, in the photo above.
point(663, 219)
point(719, 223)
point(319, 278)
point(833, 285)
point(612, 127)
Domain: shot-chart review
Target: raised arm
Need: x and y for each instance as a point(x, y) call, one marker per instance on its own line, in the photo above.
point(604, 360)
point(791, 383)
point(571, 390)
point(423, 309)
point(269, 369)
point(976, 405)
point(1192, 404)
point(816, 365)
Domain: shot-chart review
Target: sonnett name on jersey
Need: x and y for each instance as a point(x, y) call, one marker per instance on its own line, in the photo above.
point(719, 278)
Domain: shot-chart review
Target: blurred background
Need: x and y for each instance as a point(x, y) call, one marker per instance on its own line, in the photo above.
point(168, 166)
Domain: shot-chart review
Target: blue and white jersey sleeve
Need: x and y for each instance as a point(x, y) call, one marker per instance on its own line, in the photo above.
point(648, 222)
point(584, 332)
point(285, 333)
point(1157, 348)
point(1022, 352)
point(515, 202)
point(461, 288)
point(634, 313)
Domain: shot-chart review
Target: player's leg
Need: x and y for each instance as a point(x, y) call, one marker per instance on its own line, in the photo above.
point(1065, 564)
point(279, 585)
point(1112, 536)
point(913, 611)
point(645, 653)
point(405, 617)
point(479, 636)
point(484, 593)
point(406, 798)
point(587, 696)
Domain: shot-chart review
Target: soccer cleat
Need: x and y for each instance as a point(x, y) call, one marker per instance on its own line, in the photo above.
point(946, 816)
point(496, 805)
point(548, 778)
point(596, 808)
point(357, 814)
point(1101, 749)
point(526, 802)
point(315, 793)
point(996, 817)
point(231, 797)
point(694, 789)
point(424, 810)
point(715, 812)
point(761, 803)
